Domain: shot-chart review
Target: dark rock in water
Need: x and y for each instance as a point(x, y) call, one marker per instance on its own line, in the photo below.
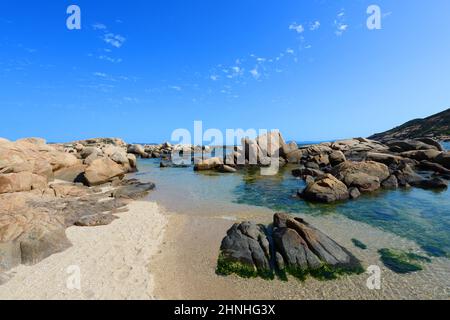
point(307, 172)
point(292, 246)
point(326, 189)
point(133, 190)
point(245, 250)
point(390, 183)
point(433, 183)
point(359, 244)
point(444, 159)
point(431, 166)
point(401, 261)
point(95, 220)
point(354, 193)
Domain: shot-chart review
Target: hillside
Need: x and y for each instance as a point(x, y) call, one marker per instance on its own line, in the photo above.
point(436, 126)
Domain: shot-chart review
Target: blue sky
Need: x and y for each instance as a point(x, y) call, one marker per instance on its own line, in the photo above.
point(140, 69)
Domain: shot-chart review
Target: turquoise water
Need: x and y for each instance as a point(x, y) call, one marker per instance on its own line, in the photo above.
point(419, 215)
point(446, 145)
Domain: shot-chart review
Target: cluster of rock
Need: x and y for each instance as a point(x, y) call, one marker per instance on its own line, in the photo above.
point(290, 245)
point(46, 188)
point(346, 169)
point(163, 151)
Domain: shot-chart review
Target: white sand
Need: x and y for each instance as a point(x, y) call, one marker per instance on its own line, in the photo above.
point(113, 261)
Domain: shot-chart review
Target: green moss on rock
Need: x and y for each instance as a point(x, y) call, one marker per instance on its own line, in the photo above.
point(401, 261)
point(226, 267)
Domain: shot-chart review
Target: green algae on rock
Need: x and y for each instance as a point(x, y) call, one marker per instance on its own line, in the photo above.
point(401, 261)
point(359, 244)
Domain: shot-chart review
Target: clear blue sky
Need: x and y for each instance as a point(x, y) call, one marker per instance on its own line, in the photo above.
point(140, 69)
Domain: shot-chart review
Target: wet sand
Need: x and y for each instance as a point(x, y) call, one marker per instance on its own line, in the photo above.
point(185, 266)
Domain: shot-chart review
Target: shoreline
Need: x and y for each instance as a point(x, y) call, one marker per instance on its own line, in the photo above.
point(185, 267)
point(113, 261)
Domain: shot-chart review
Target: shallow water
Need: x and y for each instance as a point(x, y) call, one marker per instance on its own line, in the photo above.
point(422, 216)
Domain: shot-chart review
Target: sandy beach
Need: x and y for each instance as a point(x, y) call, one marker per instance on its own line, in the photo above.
point(113, 261)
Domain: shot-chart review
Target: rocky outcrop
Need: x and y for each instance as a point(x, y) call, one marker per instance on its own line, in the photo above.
point(291, 246)
point(101, 171)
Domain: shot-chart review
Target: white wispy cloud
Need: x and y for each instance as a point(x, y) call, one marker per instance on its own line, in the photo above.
point(176, 88)
point(255, 73)
point(297, 27)
point(340, 24)
point(115, 40)
point(110, 59)
point(314, 26)
point(98, 26)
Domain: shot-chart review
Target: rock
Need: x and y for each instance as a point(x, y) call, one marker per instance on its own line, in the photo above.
point(420, 155)
point(22, 181)
point(296, 156)
point(371, 168)
point(101, 171)
point(337, 157)
point(89, 151)
point(431, 142)
point(433, 183)
point(96, 220)
point(35, 141)
point(137, 149)
point(133, 190)
point(10, 255)
point(307, 172)
point(387, 159)
point(322, 160)
point(289, 148)
point(408, 145)
point(41, 243)
point(253, 152)
point(120, 157)
point(444, 159)
point(247, 245)
point(71, 174)
point(294, 250)
point(208, 164)
point(431, 166)
point(390, 183)
point(354, 193)
point(362, 181)
point(64, 190)
point(312, 165)
point(227, 169)
point(132, 160)
point(326, 189)
point(272, 144)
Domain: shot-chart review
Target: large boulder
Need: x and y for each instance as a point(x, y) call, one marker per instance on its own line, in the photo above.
point(419, 155)
point(371, 168)
point(22, 181)
point(71, 174)
point(444, 159)
point(326, 189)
point(272, 144)
point(409, 145)
point(138, 150)
point(208, 164)
point(296, 156)
point(246, 245)
point(387, 159)
point(362, 181)
point(337, 157)
point(101, 171)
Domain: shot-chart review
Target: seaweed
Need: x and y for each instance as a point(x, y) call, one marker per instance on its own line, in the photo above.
point(402, 261)
point(359, 244)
